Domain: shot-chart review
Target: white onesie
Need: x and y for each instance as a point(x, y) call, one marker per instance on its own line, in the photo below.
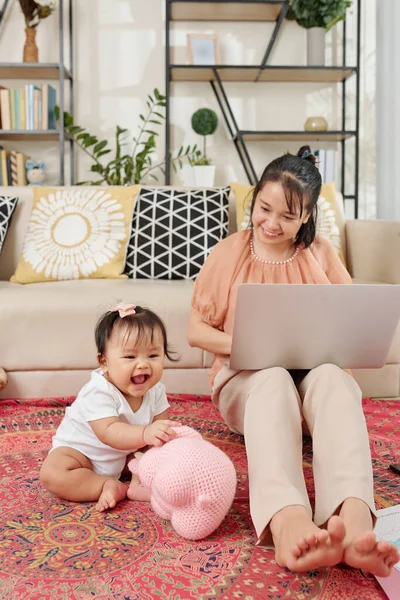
point(100, 399)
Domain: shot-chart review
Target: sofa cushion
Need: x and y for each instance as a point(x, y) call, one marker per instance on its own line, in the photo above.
point(76, 233)
point(174, 230)
point(330, 224)
point(46, 326)
point(7, 207)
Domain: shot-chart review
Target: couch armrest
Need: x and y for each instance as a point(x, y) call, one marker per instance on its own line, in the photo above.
point(373, 250)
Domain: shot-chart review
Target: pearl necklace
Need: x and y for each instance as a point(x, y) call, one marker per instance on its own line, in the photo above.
point(272, 262)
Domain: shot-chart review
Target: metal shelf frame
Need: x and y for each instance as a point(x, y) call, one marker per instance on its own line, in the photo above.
point(48, 71)
point(217, 75)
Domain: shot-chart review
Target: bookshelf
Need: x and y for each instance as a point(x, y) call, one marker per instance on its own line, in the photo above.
point(49, 72)
point(216, 75)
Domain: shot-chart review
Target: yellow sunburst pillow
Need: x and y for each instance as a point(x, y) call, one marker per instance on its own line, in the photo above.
point(331, 222)
point(76, 233)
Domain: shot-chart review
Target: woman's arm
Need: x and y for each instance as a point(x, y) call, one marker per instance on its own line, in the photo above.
point(201, 335)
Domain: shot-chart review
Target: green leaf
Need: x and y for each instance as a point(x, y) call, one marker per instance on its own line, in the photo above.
point(103, 152)
point(57, 112)
point(97, 168)
point(75, 129)
point(98, 147)
point(155, 121)
point(82, 136)
point(90, 141)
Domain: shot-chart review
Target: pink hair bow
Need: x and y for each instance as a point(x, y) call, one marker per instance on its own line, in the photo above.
point(125, 310)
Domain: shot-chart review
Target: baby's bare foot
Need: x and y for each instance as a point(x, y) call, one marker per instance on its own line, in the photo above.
point(365, 552)
point(113, 491)
point(300, 545)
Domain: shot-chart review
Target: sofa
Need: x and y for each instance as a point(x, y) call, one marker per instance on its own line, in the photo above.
point(46, 329)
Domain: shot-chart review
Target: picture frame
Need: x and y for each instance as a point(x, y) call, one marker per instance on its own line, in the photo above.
point(203, 49)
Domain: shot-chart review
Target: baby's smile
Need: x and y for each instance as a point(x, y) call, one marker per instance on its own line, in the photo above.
point(140, 379)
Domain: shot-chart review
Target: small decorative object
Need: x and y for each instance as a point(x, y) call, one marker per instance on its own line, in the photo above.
point(204, 123)
point(188, 480)
point(316, 124)
point(34, 11)
point(3, 379)
point(317, 16)
point(136, 164)
point(203, 49)
point(35, 172)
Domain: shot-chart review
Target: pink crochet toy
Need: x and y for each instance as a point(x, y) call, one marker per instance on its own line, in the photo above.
point(188, 480)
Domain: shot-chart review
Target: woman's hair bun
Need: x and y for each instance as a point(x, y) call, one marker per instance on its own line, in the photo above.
point(306, 153)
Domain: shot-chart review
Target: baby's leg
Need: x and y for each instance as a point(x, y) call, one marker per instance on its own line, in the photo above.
point(69, 474)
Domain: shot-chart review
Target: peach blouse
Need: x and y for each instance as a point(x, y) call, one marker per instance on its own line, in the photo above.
point(231, 263)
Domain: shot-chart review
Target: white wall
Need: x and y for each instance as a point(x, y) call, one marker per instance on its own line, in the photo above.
point(119, 58)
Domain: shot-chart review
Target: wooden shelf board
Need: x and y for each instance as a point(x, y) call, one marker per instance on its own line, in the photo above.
point(31, 71)
point(25, 136)
point(218, 10)
point(267, 74)
point(295, 136)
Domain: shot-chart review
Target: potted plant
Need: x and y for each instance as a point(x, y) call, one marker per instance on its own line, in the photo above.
point(132, 165)
point(317, 16)
point(204, 122)
point(34, 11)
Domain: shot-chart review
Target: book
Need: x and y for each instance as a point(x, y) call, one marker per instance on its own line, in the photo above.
point(21, 168)
point(48, 106)
point(4, 107)
point(52, 107)
point(13, 114)
point(388, 528)
point(3, 156)
point(17, 110)
point(22, 109)
point(14, 167)
point(37, 101)
point(9, 171)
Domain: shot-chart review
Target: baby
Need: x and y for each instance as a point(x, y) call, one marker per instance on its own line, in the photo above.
point(123, 408)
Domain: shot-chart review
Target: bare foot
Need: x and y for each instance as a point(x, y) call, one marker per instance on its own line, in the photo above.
point(365, 552)
point(300, 545)
point(136, 491)
point(113, 491)
point(362, 550)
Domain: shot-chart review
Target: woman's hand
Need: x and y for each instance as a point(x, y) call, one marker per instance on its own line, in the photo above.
point(159, 432)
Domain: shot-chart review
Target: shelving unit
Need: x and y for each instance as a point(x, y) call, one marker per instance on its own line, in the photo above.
point(261, 11)
point(50, 72)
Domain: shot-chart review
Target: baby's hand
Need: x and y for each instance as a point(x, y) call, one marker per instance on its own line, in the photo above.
point(159, 432)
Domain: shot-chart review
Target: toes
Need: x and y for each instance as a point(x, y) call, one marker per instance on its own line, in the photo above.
point(302, 544)
point(384, 547)
point(322, 536)
point(311, 541)
point(365, 543)
point(336, 529)
point(296, 552)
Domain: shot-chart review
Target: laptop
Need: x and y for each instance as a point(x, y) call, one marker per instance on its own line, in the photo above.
point(300, 326)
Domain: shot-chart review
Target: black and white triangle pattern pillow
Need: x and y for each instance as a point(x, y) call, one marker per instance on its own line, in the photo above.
point(174, 230)
point(7, 207)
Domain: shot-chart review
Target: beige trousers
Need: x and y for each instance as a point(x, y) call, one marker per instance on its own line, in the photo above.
point(270, 408)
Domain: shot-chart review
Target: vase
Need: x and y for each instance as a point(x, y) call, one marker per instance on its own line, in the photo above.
point(316, 47)
point(31, 52)
point(316, 124)
point(204, 175)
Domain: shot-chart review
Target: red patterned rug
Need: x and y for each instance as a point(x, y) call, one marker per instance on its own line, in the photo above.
point(52, 549)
